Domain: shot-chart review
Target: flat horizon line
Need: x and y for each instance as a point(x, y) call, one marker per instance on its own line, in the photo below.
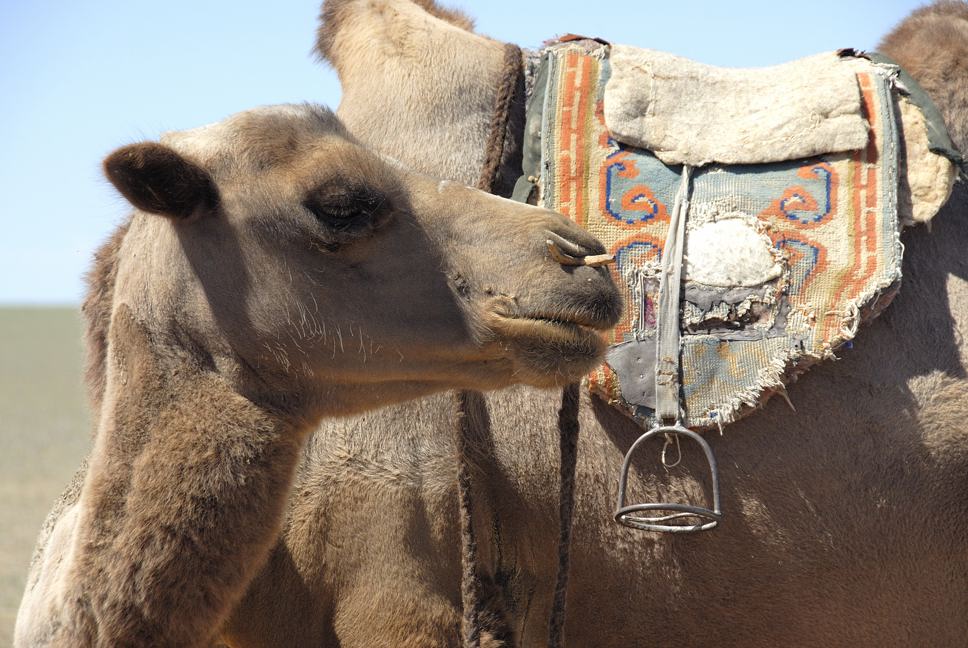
point(38, 305)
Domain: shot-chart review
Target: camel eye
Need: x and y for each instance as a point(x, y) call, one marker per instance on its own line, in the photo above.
point(346, 209)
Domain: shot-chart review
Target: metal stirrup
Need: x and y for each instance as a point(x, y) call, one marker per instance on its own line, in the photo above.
point(667, 387)
point(706, 518)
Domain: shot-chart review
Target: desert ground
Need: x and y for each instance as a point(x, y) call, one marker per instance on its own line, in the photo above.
point(44, 433)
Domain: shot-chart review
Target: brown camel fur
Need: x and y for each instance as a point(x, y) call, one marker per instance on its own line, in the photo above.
point(932, 45)
point(276, 272)
point(846, 521)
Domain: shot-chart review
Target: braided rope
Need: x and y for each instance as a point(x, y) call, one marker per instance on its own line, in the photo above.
point(471, 585)
point(568, 448)
point(470, 579)
point(494, 148)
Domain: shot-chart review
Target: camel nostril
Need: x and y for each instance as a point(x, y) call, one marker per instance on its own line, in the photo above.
point(577, 238)
point(565, 245)
point(568, 253)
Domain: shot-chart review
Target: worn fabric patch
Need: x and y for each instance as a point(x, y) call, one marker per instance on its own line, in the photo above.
point(784, 259)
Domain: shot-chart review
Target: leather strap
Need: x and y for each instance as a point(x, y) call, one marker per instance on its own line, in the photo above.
point(667, 383)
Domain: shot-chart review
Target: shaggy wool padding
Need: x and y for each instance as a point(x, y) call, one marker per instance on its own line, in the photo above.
point(730, 252)
point(927, 177)
point(690, 113)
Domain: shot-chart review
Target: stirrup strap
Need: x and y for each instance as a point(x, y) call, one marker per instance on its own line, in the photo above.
point(670, 288)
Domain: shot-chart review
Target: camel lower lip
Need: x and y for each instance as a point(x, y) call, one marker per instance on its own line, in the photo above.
point(552, 320)
point(522, 325)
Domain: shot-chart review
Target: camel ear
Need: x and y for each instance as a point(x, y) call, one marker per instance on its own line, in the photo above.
point(156, 179)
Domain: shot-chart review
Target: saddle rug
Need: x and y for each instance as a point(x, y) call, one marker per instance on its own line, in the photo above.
point(797, 188)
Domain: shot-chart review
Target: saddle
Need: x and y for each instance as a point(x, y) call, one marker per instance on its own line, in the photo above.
point(756, 212)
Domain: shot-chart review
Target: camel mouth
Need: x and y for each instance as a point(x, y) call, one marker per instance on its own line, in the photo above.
point(539, 323)
point(550, 351)
point(551, 346)
point(578, 332)
point(537, 326)
point(582, 320)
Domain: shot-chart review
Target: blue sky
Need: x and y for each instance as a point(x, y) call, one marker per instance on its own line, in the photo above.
point(78, 79)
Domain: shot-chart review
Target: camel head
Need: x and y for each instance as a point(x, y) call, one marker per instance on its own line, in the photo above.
point(275, 271)
point(303, 264)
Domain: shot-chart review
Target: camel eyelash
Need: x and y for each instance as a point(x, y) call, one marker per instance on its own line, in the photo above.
point(347, 209)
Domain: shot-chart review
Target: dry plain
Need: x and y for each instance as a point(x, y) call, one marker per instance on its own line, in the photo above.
point(44, 433)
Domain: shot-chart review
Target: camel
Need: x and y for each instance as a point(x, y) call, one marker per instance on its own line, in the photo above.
point(276, 272)
point(846, 520)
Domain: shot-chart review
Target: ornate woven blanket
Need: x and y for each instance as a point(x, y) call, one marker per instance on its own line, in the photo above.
point(796, 190)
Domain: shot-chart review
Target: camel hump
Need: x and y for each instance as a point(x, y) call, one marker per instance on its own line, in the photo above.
point(938, 138)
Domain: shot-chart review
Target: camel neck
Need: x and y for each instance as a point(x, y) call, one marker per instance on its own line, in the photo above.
point(185, 496)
